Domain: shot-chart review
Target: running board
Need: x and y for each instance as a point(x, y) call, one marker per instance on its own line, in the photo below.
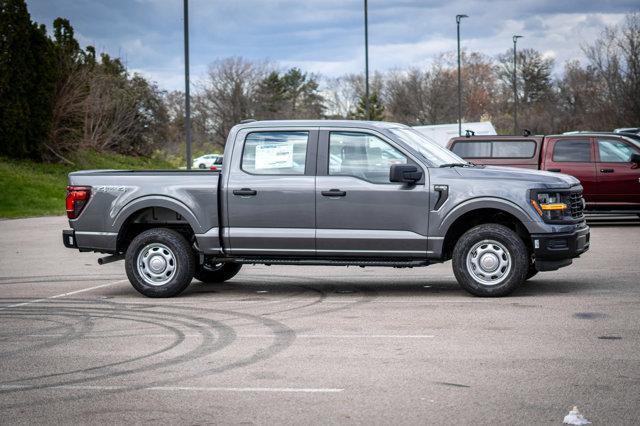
point(333, 262)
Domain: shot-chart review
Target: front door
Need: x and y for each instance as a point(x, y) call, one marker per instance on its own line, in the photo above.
point(359, 211)
point(271, 193)
point(618, 177)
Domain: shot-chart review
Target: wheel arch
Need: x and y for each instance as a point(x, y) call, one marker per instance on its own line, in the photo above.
point(474, 213)
point(154, 212)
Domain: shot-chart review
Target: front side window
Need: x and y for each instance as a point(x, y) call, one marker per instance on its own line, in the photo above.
point(572, 151)
point(363, 156)
point(275, 153)
point(614, 151)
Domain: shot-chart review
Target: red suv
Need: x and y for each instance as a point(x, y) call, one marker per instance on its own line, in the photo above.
point(607, 164)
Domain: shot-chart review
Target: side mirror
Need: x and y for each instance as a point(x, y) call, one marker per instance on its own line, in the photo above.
point(405, 173)
point(635, 158)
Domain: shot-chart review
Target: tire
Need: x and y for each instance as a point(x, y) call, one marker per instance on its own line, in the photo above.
point(202, 166)
point(169, 253)
point(490, 246)
point(211, 274)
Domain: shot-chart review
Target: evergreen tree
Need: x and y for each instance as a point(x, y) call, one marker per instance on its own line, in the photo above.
point(27, 82)
point(376, 109)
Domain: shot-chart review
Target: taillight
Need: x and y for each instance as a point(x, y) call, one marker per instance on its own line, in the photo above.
point(77, 198)
point(214, 168)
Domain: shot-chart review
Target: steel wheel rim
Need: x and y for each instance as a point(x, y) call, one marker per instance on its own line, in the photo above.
point(489, 262)
point(156, 264)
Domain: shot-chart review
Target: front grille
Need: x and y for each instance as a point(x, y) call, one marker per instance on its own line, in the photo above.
point(576, 205)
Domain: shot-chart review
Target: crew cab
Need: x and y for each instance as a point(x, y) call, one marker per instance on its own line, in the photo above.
point(326, 192)
point(607, 164)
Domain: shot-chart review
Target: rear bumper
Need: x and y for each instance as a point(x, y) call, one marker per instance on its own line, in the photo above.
point(553, 251)
point(102, 242)
point(69, 238)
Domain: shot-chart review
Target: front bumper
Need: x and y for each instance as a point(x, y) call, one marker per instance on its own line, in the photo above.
point(553, 251)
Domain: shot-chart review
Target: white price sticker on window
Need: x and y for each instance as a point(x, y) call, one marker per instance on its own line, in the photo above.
point(274, 156)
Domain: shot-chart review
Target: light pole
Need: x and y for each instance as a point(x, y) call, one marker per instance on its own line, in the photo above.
point(187, 99)
point(515, 86)
point(458, 19)
point(366, 60)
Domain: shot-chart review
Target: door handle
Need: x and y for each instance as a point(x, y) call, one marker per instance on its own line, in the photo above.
point(606, 170)
point(553, 170)
point(334, 193)
point(245, 192)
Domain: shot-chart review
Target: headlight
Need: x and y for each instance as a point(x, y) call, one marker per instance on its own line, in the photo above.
point(551, 206)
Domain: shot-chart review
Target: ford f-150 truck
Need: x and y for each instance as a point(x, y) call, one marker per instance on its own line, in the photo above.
point(328, 193)
point(607, 164)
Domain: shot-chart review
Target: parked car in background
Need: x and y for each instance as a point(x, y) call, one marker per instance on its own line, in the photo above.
point(322, 192)
point(607, 164)
point(634, 130)
point(207, 161)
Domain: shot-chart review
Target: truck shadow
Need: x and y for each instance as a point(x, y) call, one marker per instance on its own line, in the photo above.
point(250, 292)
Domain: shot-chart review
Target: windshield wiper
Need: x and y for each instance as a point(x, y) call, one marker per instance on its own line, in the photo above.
point(456, 165)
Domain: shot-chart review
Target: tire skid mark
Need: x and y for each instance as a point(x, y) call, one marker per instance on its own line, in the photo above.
point(283, 337)
point(205, 347)
point(86, 325)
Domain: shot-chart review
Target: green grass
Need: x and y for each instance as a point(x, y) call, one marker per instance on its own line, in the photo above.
point(29, 188)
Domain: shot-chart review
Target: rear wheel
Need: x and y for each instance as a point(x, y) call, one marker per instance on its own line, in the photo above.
point(210, 273)
point(490, 260)
point(202, 166)
point(160, 263)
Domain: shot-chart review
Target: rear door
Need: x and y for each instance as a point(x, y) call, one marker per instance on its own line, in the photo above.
point(618, 178)
point(575, 157)
point(270, 192)
point(359, 211)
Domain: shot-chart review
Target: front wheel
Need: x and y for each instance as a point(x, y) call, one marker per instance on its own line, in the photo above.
point(217, 272)
point(160, 263)
point(490, 260)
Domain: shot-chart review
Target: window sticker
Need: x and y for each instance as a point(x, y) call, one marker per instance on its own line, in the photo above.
point(274, 156)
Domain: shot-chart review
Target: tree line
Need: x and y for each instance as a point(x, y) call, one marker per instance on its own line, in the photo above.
point(56, 97)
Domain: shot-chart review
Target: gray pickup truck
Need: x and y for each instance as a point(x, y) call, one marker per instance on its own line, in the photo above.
point(328, 193)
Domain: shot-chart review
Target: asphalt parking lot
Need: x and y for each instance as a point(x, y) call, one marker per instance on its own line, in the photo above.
point(300, 345)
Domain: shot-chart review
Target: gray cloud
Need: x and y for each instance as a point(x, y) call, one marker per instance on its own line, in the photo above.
point(324, 36)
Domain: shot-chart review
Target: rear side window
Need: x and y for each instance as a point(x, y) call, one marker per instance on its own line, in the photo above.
point(275, 153)
point(572, 151)
point(495, 149)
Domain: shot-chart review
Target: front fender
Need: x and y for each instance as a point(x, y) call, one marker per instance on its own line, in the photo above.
point(489, 203)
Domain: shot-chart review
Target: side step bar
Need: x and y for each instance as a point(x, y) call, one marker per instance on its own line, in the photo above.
point(334, 262)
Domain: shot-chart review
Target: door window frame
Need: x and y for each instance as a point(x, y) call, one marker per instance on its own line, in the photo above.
point(322, 168)
point(610, 139)
point(312, 148)
point(592, 154)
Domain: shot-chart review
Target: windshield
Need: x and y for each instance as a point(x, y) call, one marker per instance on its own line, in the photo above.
point(431, 151)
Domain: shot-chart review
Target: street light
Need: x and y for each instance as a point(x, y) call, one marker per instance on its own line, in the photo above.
point(458, 19)
point(187, 99)
point(515, 87)
point(366, 60)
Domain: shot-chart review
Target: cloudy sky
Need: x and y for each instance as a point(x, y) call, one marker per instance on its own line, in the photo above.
point(324, 36)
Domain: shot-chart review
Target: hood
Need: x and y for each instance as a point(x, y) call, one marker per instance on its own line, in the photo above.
point(541, 178)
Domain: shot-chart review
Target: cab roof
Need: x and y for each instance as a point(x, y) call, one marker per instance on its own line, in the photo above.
point(323, 123)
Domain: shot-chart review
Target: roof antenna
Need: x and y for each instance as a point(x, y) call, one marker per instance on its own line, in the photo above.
point(468, 133)
point(526, 132)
